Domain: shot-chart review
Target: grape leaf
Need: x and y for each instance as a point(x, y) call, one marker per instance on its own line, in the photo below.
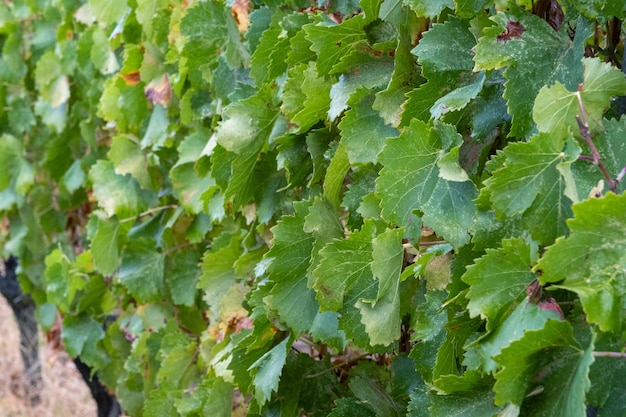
point(430, 8)
point(469, 8)
point(332, 41)
point(389, 102)
point(141, 270)
point(556, 108)
point(190, 187)
point(363, 130)
point(104, 245)
point(498, 279)
point(369, 74)
point(450, 211)
point(80, 336)
point(535, 55)
point(269, 58)
point(409, 173)
point(290, 256)
point(589, 261)
point(108, 11)
point(610, 146)
point(459, 98)
point(370, 391)
point(525, 316)
point(381, 316)
point(599, 9)
point(343, 263)
point(535, 177)
point(551, 358)
point(181, 276)
point(202, 51)
point(315, 101)
point(353, 407)
point(118, 194)
point(446, 47)
point(218, 274)
point(128, 158)
point(335, 175)
point(267, 370)
point(145, 12)
point(247, 123)
point(446, 56)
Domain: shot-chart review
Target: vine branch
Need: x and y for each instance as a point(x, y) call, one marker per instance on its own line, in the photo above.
point(596, 159)
point(602, 354)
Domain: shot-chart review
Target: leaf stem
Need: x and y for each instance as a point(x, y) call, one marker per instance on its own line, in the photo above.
point(603, 354)
point(149, 212)
point(338, 365)
point(583, 127)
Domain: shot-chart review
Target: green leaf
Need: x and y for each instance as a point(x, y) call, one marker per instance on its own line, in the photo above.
point(343, 263)
point(268, 60)
point(549, 358)
point(589, 261)
point(352, 407)
point(381, 316)
point(515, 38)
point(446, 55)
point(389, 101)
point(363, 130)
point(525, 316)
point(469, 8)
point(118, 194)
point(368, 390)
point(450, 211)
point(498, 280)
point(146, 11)
point(556, 108)
point(247, 123)
point(104, 245)
point(190, 187)
point(458, 98)
point(181, 275)
point(335, 175)
point(446, 47)
point(141, 270)
point(430, 8)
point(373, 73)
point(108, 12)
point(409, 173)
point(290, 256)
point(218, 274)
point(202, 51)
point(306, 97)
point(128, 158)
point(534, 180)
point(267, 370)
point(332, 41)
point(101, 55)
point(601, 8)
point(80, 336)
point(156, 133)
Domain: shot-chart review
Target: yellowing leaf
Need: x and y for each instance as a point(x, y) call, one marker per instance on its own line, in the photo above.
point(241, 10)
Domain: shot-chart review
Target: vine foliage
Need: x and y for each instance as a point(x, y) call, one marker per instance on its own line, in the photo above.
point(342, 208)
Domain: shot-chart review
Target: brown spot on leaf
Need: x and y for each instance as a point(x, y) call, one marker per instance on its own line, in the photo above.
point(159, 91)
point(240, 11)
point(513, 30)
point(131, 78)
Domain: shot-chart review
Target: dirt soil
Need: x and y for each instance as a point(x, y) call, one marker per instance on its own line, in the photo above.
point(64, 392)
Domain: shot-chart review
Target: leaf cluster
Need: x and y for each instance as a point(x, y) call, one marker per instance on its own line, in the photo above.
point(376, 208)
